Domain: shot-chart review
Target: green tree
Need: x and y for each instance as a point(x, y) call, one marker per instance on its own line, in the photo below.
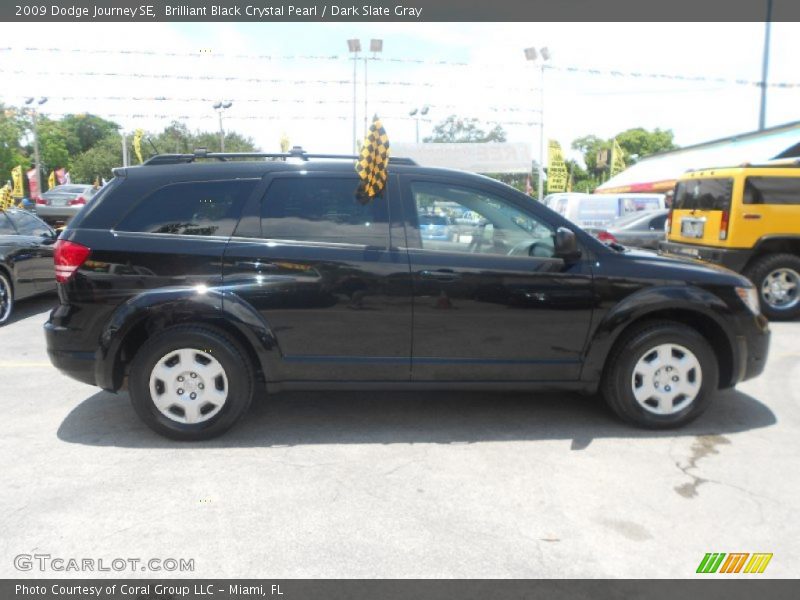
point(83, 131)
point(53, 145)
point(234, 142)
point(99, 160)
point(455, 129)
point(12, 128)
point(638, 143)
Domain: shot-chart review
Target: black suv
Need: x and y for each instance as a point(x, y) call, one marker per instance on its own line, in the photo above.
point(196, 282)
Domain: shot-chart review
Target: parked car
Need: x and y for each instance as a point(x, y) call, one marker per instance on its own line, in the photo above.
point(599, 210)
point(645, 229)
point(63, 202)
point(560, 200)
point(746, 218)
point(270, 274)
point(26, 259)
point(435, 227)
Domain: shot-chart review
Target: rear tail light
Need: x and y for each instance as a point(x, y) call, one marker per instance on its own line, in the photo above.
point(668, 224)
point(68, 256)
point(77, 201)
point(604, 236)
point(40, 200)
point(723, 225)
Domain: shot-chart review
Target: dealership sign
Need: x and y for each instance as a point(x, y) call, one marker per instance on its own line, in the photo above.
point(479, 158)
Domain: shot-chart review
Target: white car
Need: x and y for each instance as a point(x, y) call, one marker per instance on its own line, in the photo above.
point(598, 210)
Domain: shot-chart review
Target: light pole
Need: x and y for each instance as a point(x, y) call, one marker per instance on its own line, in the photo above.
point(417, 113)
point(532, 55)
point(36, 160)
point(762, 115)
point(354, 46)
point(220, 107)
point(375, 46)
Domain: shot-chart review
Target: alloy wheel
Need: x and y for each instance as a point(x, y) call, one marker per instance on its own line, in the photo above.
point(781, 288)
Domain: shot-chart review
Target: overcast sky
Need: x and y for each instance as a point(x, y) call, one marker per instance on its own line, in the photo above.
point(496, 85)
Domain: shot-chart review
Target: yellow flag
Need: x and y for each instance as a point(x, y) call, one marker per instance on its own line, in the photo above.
point(51, 181)
point(556, 168)
point(373, 162)
point(137, 144)
point(617, 162)
point(284, 142)
point(16, 177)
point(6, 201)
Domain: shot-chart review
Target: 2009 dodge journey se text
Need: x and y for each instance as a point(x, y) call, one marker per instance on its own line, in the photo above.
point(194, 280)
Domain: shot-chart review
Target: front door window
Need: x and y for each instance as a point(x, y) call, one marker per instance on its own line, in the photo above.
point(469, 220)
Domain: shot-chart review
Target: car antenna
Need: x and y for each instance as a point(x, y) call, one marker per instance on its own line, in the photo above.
point(153, 145)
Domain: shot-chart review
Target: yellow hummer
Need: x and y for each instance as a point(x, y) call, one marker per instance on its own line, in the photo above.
point(746, 218)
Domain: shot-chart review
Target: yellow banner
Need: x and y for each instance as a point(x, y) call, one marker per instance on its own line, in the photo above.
point(556, 168)
point(51, 181)
point(137, 144)
point(617, 162)
point(16, 176)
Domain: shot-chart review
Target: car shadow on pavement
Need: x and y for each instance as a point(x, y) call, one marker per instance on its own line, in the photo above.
point(32, 306)
point(302, 418)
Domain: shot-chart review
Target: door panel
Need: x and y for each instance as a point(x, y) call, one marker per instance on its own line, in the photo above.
point(327, 281)
point(484, 309)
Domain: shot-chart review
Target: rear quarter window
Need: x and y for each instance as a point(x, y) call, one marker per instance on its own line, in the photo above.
point(772, 190)
point(703, 194)
point(190, 208)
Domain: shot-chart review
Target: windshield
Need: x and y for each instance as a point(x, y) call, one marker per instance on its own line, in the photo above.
point(703, 194)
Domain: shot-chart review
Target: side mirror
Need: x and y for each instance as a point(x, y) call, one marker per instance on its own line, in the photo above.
point(566, 245)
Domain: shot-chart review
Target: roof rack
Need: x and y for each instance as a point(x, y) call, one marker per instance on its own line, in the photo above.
point(295, 152)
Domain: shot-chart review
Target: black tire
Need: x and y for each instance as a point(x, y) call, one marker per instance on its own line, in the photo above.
point(226, 351)
point(758, 272)
point(618, 381)
point(6, 298)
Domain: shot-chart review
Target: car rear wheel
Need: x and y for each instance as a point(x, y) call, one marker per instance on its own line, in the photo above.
point(6, 299)
point(191, 382)
point(777, 279)
point(661, 375)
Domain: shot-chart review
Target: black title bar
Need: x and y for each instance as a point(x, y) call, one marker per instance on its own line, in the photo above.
point(141, 11)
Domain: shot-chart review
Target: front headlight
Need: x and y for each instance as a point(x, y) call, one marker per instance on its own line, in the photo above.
point(749, 296)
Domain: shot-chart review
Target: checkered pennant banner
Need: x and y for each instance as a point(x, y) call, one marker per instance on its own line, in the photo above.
point(373, 162)
point(6, 201)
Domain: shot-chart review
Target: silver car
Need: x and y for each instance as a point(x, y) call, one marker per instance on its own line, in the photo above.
point(63, 202)
point(643, 229)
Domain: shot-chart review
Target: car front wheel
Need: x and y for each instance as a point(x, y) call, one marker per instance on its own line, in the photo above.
point(191, 382)
point(661, 375)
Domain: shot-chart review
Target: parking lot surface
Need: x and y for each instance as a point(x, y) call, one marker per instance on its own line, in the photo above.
point(397, 485)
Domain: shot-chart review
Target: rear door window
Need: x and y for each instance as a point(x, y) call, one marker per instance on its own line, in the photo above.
point(28, 225)
point(772, 190)
point(6, 228)
point(323, 209)
point(704, 194)
point(208, 208)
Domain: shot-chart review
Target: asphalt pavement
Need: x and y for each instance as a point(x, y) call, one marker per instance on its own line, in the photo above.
point(473, 485)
